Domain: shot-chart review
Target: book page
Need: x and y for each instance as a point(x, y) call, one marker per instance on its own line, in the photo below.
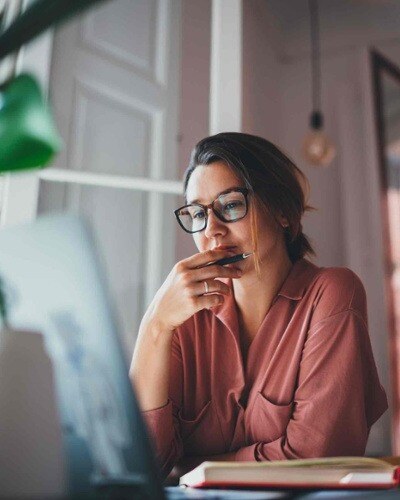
point(353, 463)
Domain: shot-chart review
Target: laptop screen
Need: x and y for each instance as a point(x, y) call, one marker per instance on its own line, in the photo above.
point(53, 283)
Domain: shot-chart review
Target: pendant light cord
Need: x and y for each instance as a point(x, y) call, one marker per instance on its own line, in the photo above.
point(315, 56)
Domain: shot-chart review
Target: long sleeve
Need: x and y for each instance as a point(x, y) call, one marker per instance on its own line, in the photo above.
point(162, 423)
point(309, 387)
point(338, 396)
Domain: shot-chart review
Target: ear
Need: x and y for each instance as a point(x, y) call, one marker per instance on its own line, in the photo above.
point(283, 221)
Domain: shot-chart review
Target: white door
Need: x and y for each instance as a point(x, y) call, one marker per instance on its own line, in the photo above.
point(114, 89)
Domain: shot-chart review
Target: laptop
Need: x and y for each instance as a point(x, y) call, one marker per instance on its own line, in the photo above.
point(53, 282)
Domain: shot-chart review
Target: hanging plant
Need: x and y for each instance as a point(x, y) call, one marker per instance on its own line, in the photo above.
point(3, 304)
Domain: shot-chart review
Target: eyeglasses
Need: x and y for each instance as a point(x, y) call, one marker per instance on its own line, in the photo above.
point(228, 207)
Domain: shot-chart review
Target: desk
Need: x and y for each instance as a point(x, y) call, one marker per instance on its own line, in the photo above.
point(356, 495)
point(177, 493)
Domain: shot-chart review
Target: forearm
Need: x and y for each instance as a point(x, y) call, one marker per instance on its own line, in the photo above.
point(150, 368)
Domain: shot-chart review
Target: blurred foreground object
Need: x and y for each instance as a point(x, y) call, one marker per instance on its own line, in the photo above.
point(38, 17)
point(31, 462)
point(28, 137)
point(317, 148)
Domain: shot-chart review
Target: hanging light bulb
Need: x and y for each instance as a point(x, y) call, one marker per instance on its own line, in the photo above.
point(317, 148)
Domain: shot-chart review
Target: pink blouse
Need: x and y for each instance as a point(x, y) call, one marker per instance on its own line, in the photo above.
point(309, 387)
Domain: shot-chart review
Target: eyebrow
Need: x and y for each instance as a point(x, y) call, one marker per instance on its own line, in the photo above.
point(219, 194)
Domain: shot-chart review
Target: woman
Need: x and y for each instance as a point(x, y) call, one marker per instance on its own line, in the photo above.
point(268, 358)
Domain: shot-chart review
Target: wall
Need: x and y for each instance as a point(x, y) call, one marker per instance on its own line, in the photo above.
point(195, 85)
point(346, 230)
point(261, 72)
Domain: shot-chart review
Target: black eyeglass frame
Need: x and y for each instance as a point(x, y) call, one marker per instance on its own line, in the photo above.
point(244, 191)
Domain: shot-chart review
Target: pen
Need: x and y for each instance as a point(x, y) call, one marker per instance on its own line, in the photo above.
point(230, 260)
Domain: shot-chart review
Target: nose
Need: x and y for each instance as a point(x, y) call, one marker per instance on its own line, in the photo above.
point(214, 225)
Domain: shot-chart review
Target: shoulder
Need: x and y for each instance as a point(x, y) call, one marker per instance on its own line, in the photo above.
point(335, 290)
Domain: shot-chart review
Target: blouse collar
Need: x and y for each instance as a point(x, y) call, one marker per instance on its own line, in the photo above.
point(294, 287)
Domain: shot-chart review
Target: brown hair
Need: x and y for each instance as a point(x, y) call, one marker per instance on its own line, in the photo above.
point(276, 183)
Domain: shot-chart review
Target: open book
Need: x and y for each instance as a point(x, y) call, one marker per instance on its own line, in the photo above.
point(338, 472)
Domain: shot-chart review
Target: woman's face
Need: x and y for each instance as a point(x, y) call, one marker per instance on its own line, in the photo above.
point(206, 183)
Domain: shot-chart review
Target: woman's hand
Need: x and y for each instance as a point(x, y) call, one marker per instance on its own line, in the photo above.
point(181, 295)
point(183, 292)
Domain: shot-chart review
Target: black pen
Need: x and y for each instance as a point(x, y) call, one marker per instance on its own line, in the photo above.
point(230, 260)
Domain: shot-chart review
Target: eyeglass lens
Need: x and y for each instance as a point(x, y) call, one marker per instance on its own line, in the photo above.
point(228, 207)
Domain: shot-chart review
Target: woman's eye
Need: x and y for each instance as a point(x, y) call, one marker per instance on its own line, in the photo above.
point(198, 215)
point(232, 205)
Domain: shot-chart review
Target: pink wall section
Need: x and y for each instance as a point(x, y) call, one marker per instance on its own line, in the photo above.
point(195, 85)
point(261, 73)
point(195, 75)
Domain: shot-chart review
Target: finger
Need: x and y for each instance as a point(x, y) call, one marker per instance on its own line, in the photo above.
point(213, 286)
point(203, 258)
point(211, 272)
point(208, 301)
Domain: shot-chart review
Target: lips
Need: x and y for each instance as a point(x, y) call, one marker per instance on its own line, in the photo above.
point(229, 248)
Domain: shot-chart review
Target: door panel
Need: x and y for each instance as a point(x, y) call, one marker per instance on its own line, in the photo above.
point(109, 135)
point(114, 87)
